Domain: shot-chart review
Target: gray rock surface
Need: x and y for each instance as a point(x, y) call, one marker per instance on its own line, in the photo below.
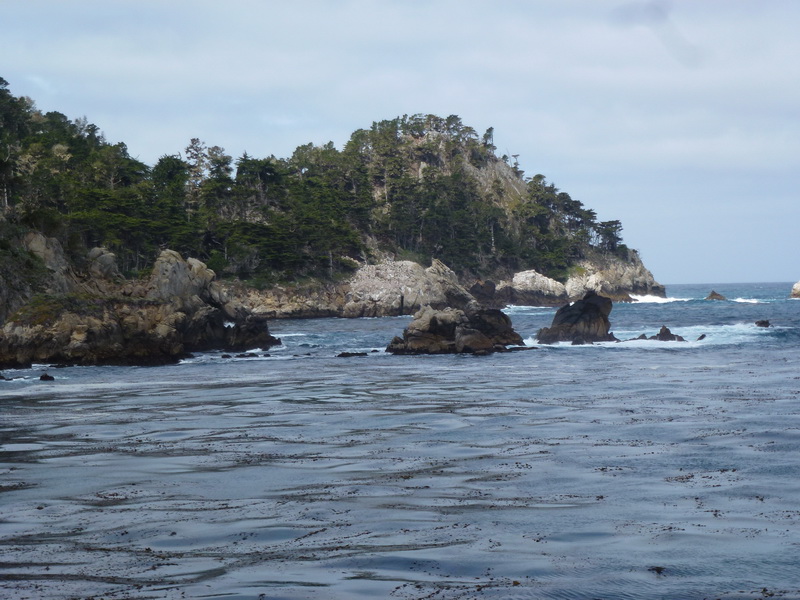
point(529, 288)
point(452, 330)
point(583, 321)
point(614, 278)
point(180, 309)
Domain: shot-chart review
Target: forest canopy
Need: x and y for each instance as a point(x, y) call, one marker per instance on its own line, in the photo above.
point(417, 187)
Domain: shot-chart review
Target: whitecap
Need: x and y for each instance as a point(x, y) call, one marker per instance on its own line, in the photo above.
point(657, 299)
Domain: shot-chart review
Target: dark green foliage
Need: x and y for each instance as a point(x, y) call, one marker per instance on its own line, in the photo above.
point(416, 185)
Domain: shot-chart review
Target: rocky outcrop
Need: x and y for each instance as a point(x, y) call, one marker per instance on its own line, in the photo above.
point(62, 278)
point(529, 288)
point(796, 290)
point(389, 288)
point(403, 287)
point(613, 278)
point(452, 331)
point(179, 309)
point(582, 322)
point(715, 296)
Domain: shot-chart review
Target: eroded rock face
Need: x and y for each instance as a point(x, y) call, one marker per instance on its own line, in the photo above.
point(715, 296)
point(796, 290)
point(180, 309)
point(583, 321)
point(389, 288)
point(451, 331)
point(403, 287)
point(529, 288)
point(62, 279)
point(615, 279)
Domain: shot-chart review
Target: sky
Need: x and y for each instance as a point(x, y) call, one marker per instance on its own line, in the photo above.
point(681, 119)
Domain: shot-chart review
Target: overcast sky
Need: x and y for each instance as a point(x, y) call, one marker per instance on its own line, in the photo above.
point(681, 119)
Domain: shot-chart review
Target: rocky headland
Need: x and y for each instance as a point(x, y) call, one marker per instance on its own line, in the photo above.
point(97, 317)
point(796, 290)
point(391, 288)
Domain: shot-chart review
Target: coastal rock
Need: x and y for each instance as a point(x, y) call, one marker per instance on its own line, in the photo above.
point(665, 335)
point(613, 278)
point(530, 288)
point(715, 296)
point(102, 264)
point(403, 287)
point(389, 288)
point(796, 290)
point(583, 321)
point(763, 323)
point(452, 330)
point(62, 278)
point(181, 311)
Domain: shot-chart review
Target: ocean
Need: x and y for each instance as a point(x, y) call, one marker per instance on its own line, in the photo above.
point(639, 469)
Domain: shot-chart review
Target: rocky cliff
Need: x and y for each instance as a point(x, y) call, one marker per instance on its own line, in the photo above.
point(614, 278)
point(389, 288)
point(393, 288)
point(796, 290)
point(98, 318)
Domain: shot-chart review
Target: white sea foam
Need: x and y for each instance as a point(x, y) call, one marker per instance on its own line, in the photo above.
point(657, 299)
point(747, 300)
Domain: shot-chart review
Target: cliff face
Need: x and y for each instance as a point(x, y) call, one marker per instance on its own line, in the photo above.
point(389, 288)
point(614, 278)
point(796, 290)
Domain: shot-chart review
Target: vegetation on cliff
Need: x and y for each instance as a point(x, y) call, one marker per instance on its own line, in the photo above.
point(416, 186)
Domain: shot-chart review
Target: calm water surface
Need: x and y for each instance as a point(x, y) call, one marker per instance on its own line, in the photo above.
point(633, 470)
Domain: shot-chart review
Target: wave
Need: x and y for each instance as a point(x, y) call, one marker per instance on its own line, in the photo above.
point(695, 336)
point(657, 299)
point(747, 300)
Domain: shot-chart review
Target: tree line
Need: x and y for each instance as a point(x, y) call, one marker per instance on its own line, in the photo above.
point(417, 187)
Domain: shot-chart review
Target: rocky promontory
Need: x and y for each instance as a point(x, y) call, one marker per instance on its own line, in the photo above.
point(391, 288)
point(103, 319)
point(614, 278)
point(796, 290)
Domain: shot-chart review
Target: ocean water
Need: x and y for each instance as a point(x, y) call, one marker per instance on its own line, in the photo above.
point(634, 470)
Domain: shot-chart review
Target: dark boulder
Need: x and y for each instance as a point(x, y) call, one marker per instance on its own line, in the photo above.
point(584, 321)
point(763, 323)
point(46, 377)
point(715, 296)
point(665, 335)
point(454, 331)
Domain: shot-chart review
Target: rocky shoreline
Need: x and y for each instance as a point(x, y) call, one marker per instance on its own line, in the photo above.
point(104, 319)
point(93, 315)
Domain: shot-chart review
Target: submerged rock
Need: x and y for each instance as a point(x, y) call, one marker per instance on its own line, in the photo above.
point(584, 321)
point(454, 331)
point(763, 323)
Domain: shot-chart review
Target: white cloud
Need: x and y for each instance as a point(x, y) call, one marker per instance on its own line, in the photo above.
point(608, 99)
